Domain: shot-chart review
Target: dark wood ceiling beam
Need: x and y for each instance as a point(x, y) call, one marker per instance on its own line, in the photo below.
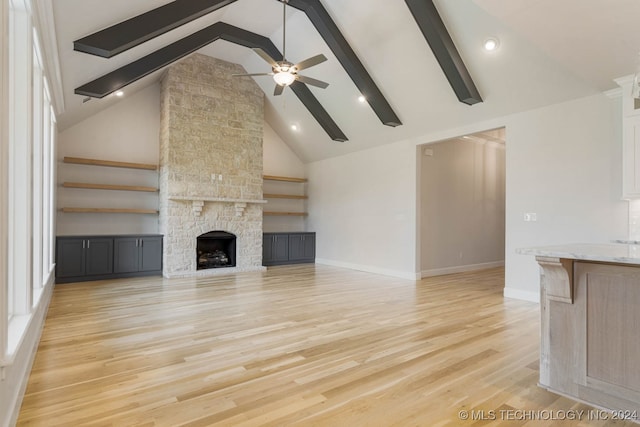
point(439, 39)
point(139, 29)
point(123, 76)
point(132, 32)
point(332, 36)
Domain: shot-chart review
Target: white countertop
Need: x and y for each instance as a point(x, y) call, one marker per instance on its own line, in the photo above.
point(604, 252)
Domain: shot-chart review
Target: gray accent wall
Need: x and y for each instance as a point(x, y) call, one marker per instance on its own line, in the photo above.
point(462, 201)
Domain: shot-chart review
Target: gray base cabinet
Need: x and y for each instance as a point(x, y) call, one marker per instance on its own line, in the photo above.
point(288, 248)
point(302, 247)
point(137, 254)
point(275, 248)
point(84, 258)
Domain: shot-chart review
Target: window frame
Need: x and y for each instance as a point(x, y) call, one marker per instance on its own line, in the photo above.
point(4, 179)
point(27, 176)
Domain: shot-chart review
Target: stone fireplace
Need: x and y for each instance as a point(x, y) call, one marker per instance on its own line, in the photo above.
point(210, 164)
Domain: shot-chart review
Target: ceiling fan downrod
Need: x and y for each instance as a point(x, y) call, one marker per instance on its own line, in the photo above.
point(284, 29)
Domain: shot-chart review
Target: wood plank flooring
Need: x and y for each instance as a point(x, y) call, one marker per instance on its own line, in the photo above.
point(302, 345)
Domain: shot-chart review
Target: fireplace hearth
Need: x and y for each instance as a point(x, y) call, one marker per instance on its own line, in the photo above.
point(216, 249)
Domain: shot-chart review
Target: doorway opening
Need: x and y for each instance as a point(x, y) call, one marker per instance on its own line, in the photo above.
point(462, 203)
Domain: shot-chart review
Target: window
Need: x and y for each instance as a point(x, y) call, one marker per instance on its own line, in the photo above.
point(47, 184)
point(27, 185)
point(36, 165)
point(20, 151)
point(4, 177)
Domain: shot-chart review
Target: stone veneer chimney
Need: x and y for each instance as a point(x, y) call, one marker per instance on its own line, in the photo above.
point(210, 162)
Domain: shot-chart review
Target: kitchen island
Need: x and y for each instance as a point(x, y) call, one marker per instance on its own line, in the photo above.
point(590, 323)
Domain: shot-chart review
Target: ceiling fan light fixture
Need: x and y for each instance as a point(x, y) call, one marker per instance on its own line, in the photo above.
point(284, 78)
point(284, 72)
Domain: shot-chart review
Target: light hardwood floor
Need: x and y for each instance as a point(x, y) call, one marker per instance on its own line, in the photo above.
point(297, 345)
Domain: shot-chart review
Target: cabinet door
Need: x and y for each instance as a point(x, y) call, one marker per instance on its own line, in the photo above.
point(267, 248)
point(99, 256)
point(150, 254)
point(280, 247)
point(70, 257)
point(302, 247)
point(309, 246)
point(295, 247)
point(125, 255)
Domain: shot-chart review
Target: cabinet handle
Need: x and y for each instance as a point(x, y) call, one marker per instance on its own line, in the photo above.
point(137, 243)
point(88, 244)
point(83, 244)
point(141, 243)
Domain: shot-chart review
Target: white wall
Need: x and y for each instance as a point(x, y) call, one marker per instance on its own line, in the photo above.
point(363, 208)
point(563, 162)
point(462, 200)
point(129, 132)
point(280, 160)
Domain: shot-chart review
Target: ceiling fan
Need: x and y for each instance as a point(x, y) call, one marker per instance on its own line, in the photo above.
point(284, 72)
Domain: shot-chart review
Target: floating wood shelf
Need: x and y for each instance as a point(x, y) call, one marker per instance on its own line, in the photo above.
point(109, 210)
point(284, 196)
point(285, 213)
point(95, 162)
point(283, 178)
point(109, 187)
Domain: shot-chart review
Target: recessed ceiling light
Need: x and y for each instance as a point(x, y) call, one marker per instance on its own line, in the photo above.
point(294, 127)
point(362, 99)
point(119, 93)
point(491, 44)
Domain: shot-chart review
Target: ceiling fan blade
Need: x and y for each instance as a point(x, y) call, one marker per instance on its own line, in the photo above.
point(313, 82)
point(310, 62)
point(278, 90)
point(264, 55)
point(253, 74)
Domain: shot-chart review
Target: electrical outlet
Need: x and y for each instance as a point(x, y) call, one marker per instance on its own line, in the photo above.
point(220, 177)
point(530, 217)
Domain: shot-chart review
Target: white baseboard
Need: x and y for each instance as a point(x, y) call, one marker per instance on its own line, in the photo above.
point(16, 375)
point(461, 268)
point(521, 295)
point(370, 269)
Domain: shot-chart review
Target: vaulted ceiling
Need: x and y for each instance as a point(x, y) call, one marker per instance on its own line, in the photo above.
point(549, 52)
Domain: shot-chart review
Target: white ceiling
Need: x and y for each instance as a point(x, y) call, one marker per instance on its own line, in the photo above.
point(550, 51)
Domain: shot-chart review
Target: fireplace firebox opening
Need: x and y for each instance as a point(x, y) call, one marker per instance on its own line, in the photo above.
point(216, 249)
